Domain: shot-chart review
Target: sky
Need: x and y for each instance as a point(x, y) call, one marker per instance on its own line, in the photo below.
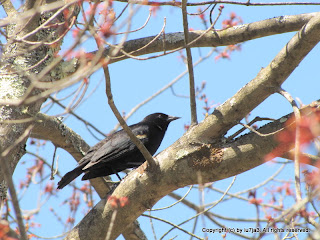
point(133, 81)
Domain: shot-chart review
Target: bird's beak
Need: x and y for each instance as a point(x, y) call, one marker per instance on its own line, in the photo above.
point(172, 118)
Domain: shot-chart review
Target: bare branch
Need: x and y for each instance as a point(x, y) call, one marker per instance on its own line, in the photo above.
point(171, 205)
point(297, 142)
point(314, 160)
point(229, 36)
point(249, 124)
point(68, 110)
point(204, 211)
point(173, 225)
point(255, 131)
point(193, 106)
point(138, 29)
point(49, 128)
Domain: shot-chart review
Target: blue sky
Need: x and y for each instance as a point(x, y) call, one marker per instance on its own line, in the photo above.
point(133, 81)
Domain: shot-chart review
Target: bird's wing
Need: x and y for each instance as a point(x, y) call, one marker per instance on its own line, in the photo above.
point(91, 152)
point(118, 145)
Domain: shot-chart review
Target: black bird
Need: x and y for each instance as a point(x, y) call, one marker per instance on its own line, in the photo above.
point(117, 152)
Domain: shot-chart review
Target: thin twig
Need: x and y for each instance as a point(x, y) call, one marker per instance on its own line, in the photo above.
point(171, 205)
point(130, 55)
point(136, 30)
point(54, 171)
point(200, 11)
point(260, 134)
point(152, 227)
point(193, 106)
point(120, 14)
point(172, 224)
point(209, 208)
point(194, 226)
point(289, 213)
point(314, 160)
point(210, 14)
point(297, 115)
point(256, 119)
point(112, 221)
point(75, 100)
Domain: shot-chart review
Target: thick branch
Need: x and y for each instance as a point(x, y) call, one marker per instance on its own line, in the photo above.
point(268, 80)
point(224, 37)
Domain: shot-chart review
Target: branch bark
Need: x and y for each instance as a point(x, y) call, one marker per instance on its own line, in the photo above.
point(229, 36)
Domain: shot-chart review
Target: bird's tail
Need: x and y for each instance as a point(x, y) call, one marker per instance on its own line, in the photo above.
point(66, 179)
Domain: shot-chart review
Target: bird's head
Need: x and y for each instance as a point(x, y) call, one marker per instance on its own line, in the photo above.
point(160, 119)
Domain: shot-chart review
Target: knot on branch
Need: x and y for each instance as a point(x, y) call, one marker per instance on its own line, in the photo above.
point(206, 157)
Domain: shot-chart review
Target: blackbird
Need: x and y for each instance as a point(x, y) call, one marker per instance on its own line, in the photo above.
point(117, 152)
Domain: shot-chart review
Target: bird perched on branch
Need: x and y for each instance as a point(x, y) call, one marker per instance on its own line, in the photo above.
point(117, 152)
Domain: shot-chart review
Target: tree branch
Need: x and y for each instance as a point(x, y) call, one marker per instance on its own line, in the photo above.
point(297, 115)
point(268, 80)
point(229, 36)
